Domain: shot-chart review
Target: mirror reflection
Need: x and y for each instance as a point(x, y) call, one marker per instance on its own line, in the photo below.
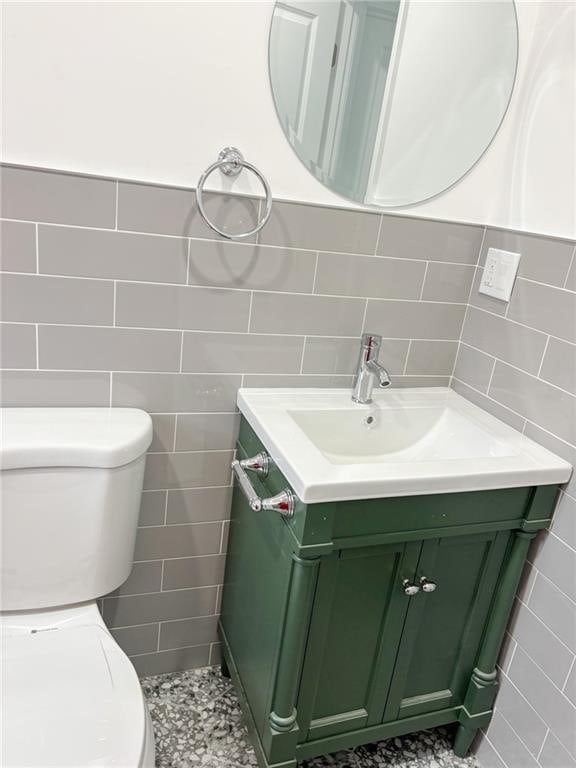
point(390, 102)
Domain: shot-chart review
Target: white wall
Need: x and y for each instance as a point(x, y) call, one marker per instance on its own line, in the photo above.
point(152, 91)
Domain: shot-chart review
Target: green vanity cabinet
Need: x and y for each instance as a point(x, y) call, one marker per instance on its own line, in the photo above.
point(358, 621)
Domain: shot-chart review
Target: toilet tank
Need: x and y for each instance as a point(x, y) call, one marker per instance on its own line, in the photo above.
point(70, 487)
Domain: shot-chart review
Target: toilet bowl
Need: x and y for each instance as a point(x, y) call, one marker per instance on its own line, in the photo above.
point(70, 486)
point(70, 696)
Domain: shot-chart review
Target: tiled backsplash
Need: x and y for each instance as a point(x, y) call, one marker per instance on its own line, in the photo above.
point(519, 362)
point(117, 293)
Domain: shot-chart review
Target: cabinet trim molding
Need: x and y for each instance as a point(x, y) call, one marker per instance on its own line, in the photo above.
point(303, 580)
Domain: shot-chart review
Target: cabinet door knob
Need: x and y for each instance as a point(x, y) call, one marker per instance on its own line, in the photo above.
point(427, 586)
point(409, 588)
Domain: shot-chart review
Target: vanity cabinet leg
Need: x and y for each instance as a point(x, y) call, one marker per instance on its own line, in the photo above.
point(463, 740)
point(281, 738)
point(224, 669)
point(483, 686)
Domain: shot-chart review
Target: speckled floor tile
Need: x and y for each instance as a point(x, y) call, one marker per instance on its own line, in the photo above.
point(198, 724)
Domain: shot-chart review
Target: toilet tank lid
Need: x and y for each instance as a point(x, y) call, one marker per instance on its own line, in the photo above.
point(72, 437)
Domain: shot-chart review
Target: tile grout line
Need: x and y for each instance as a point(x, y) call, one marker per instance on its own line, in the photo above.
point(407, 357)
point(188, 259)
point(304, 342)
point(489, 397)
point(542, 745)
point(504, 763)
point(524, 604)
point(547, 676)
point(531, 590)
point(313, 291)
point(190, 451)
point(37, 249)
point(181, 557)
point(162, 592)
point(224, 333)
point(515, 732)
point(491, 374)
point(517, 322)
point(218, 241)
point(117, 186)
point(37, 350)
point(181, 352)
point(568, 675)
point(207, 288)
point(378, 234)
point(521, 370)
point(519, 692)
point(169, 650)
point(565, 543)
point(248, 329)
point(421, 297)
point(363, 326)
point(572, 263)
point(553, 584)
point(167, 491)
point(175, 438)
point(512, 654)
point(543, 357)
point(484, 234)
point(229, 374)
point(221, 550)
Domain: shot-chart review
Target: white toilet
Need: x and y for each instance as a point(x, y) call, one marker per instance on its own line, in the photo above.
point(70, 486)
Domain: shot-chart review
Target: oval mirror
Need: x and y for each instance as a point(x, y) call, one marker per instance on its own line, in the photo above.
point(390, 102)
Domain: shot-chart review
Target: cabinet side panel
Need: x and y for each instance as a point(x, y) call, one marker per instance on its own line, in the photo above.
point(254, 600)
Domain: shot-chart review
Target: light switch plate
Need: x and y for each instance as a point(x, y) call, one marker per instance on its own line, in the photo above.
point(499, 274)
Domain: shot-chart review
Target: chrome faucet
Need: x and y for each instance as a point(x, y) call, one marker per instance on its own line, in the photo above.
point(368, 369)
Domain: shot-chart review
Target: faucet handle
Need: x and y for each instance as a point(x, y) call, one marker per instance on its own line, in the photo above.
point(371, 340)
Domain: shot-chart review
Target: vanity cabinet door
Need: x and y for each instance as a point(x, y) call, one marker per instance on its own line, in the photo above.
point(358, 615)
point(444, 627)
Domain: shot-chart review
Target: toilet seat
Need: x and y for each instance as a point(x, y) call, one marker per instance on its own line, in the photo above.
point(70, 699)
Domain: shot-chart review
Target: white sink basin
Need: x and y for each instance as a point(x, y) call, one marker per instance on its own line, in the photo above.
point(408, 441)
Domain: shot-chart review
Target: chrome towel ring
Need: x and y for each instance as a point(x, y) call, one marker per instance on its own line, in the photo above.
point(231, 162)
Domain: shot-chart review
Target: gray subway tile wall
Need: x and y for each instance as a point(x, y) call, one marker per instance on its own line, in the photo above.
point(345, 275)
point(54, 388)
point(544, 259)
point(412, 238)
point(41, 299)
point(119, 255)
point(447, 282)
point(518, 360)
point(17, 345)
point(172, 211)
point(146, 305)
point(61, 198)
point(316, 228)
point(243, 265)
point(17, 246)
point(241, 353)
point(118, 294)
point(70, 347)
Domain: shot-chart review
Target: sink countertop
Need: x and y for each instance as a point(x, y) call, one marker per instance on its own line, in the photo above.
point(406, 442)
